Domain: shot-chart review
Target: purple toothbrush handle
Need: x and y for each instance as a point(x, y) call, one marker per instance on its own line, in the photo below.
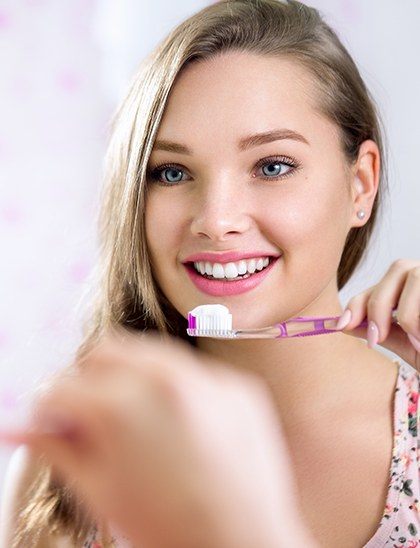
point(319, 325)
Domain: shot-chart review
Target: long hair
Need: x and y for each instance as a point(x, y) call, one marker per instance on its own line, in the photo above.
point(124, 291)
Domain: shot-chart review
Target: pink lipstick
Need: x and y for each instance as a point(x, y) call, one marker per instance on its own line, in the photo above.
point(228, 287)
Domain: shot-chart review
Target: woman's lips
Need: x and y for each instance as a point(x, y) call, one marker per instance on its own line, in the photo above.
point(223, 287)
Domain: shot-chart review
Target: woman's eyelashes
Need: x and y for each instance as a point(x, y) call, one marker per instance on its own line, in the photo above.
point(275, 171)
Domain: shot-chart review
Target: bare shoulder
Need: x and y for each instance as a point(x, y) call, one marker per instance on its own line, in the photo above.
point(23, 469)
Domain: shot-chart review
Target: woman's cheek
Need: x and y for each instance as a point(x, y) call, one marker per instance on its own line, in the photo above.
point(166, 223)
point(161, 224)
point(293, 223)
point(305, 229)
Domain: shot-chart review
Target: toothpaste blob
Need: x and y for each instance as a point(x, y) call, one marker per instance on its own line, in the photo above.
point(210, 316)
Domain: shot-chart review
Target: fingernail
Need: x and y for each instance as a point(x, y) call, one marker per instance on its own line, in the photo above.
point(12, 437)
point(372, 334)
point(344, 319)
point(56, 422)
point(414, 341)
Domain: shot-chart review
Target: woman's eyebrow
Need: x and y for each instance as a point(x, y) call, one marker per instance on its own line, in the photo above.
point(243, 144)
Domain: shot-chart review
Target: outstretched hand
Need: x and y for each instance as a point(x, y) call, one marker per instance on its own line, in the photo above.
point(173, 447)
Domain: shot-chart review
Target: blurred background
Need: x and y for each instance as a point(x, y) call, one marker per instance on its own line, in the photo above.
point(65, 64)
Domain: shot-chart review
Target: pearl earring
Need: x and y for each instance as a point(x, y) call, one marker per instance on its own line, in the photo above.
point(361, 214)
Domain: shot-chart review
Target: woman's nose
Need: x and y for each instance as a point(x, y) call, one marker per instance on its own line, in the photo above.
point(219, 213)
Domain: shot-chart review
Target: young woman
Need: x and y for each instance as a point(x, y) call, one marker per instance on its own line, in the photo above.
point(249, 131)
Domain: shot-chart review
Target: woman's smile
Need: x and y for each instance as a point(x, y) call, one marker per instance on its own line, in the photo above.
point(225, 286)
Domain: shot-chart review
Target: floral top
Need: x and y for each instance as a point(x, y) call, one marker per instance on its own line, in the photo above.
point(400, 523)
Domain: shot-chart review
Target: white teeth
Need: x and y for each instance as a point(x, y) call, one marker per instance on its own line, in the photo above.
point(260, 264)
point(242, 267)
point(231, 270)
point(218, 271)
point(252, 266)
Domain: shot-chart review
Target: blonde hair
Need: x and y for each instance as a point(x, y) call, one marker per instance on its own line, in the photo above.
point(125, 291)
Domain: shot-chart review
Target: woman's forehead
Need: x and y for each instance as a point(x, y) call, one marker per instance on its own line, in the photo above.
point(218, 98)
point(237, 85)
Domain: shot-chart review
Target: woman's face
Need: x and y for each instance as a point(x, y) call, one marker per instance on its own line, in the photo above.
point(219, 199)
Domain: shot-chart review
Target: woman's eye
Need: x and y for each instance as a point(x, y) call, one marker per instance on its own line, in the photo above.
point(278, 168)
point(172, 174)
point(273, 168)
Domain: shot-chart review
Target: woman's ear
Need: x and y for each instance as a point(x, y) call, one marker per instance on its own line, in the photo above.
point(365, 181)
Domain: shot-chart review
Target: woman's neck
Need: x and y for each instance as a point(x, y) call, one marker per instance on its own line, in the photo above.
point(309, 375)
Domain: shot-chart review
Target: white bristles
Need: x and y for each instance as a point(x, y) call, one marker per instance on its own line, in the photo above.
point(212, 317)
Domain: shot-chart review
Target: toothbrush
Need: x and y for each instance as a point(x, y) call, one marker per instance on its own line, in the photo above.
point(214, 320)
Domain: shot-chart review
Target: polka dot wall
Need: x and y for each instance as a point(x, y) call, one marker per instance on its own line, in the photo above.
point(52, 136)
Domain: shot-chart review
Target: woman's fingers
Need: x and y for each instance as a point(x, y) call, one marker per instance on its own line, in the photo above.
point(77, 413)
point(400, 289)
point(62, 423)
point(358, 308)
point(409, 304)
point(377, 302)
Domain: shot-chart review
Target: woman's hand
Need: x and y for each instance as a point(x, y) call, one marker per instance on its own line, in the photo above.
point(174, 448)
point(400, 287)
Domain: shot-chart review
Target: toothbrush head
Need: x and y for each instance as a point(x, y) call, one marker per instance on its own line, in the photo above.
point(210, 320)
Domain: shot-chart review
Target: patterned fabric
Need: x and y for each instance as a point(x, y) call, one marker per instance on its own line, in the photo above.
point(117, 540)
point(400, 523)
